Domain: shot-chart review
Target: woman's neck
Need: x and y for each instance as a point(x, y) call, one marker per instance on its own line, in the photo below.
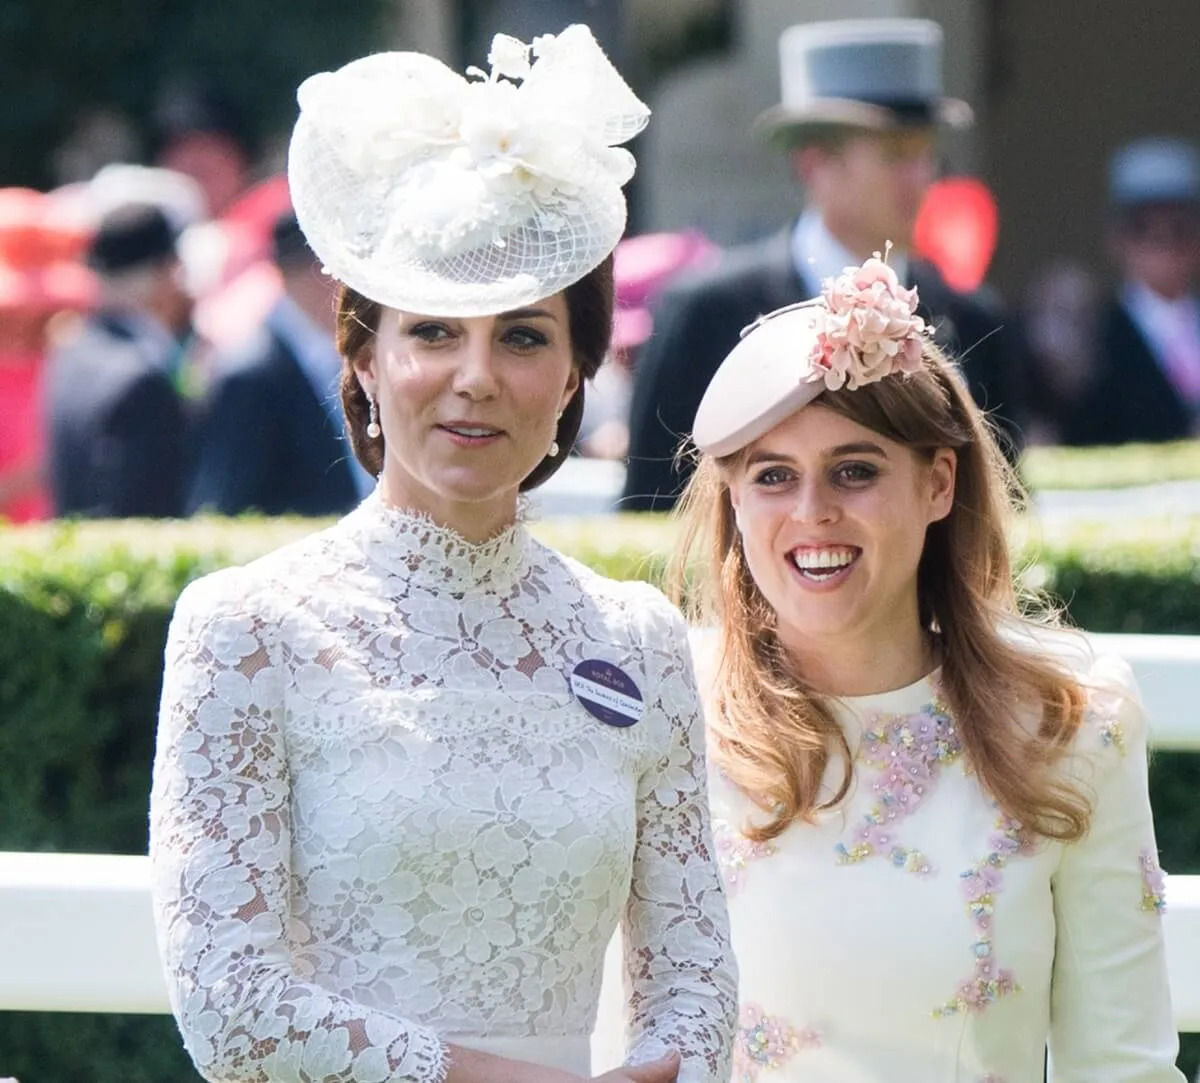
point(472, 520)
point(863, 665)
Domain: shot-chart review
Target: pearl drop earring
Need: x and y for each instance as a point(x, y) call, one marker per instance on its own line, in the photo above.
point(373, 429)
point(554, 448)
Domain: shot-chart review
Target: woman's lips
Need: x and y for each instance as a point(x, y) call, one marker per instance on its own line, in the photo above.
point(465, 434)
point(824, 566)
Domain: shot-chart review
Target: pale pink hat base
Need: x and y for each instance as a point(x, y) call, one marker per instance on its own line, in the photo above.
point(863, 327)
point(762, 382)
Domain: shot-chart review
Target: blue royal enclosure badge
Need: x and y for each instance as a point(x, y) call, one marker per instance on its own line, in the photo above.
point(607, 692)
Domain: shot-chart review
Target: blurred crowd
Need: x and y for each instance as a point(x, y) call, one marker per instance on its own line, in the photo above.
point(167, 343)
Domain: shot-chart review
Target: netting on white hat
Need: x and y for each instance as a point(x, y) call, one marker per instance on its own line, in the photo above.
point(429, 193)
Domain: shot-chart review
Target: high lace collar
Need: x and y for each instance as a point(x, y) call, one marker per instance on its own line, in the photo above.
point(411, 545)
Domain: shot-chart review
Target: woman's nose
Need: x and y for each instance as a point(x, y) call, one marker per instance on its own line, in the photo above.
point(475, 376)
point(814, 503)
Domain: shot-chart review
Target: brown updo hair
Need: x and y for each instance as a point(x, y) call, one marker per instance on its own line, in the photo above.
point(589, 315)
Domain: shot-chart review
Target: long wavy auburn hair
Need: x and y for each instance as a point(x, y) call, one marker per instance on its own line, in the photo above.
point(773, 735)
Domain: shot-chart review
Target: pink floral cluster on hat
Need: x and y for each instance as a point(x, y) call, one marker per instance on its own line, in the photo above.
point(867, 328)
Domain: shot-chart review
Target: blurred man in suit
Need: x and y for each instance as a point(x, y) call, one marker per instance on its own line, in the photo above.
point(1146, 383)
point(273, 439)
point(862, 105)
point(117, 426)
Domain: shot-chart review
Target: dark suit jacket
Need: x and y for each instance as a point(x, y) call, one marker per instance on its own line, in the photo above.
point(698, 321)
point(268, 443)
point(1129, 398)
point(117, 428)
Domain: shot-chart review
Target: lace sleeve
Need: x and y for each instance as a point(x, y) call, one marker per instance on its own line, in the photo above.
point(678, 960)
point(219, 847)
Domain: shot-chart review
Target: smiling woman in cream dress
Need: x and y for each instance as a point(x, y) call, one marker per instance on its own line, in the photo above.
point(932, 814)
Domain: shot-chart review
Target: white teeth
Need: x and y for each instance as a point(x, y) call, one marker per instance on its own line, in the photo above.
point(472, 432)
point(823, 559)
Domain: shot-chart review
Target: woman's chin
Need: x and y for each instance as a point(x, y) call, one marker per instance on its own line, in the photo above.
point(472, 486)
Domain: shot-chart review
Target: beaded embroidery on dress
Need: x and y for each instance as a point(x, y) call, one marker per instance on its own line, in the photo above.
point(914, 934)
point(381, 823)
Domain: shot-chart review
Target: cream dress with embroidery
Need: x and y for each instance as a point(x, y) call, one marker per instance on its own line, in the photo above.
point(914, 936)
point(381, 822)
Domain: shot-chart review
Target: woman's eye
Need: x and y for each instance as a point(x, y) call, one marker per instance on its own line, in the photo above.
point(429, 332)
point(524, 338)
point(772, 476)
point(855, 473)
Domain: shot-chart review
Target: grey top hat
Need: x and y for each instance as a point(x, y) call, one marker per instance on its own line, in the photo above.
point(1156, 170)
point(876, 74)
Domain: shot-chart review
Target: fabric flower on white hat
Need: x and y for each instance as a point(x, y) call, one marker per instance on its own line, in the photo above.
point(416, 185)
point(863, 326)
point(867, 328)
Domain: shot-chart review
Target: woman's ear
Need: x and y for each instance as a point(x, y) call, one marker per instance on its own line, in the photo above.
point(943, 472)
point(364, 369)
point(573, 382)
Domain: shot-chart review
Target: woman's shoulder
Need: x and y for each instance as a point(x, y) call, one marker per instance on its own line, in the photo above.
point(636, 599)
point(1113, 718)
point(262, 588)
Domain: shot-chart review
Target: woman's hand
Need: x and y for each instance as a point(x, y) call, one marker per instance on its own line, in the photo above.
point(663, 1070)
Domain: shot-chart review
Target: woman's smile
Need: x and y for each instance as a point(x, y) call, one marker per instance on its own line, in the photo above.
point(823, 567)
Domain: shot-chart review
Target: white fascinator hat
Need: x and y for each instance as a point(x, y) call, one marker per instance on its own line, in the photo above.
point(432, 192)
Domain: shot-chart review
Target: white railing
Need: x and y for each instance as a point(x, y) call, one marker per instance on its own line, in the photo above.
point(76, 932)
point(77, 935)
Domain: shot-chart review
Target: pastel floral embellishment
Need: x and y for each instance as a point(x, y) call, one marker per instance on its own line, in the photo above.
point(766, 1041)
point(1112, 734)
point(735, 852)
point(980, 885)
point(868, 328)
point(1154, 884)
point(909, 751)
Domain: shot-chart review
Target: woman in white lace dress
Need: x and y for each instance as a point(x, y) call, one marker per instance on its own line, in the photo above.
point(413, 770)
point(932, 815)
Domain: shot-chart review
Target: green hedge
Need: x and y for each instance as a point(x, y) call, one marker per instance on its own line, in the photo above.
point(83, 614)
point(1111, 468)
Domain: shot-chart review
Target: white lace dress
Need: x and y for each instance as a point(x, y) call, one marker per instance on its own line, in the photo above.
point(915, 935)
point(381, 822)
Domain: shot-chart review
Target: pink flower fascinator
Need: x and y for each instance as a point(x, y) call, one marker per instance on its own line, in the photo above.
point(862, 328)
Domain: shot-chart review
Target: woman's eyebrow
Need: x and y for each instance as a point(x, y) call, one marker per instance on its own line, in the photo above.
point(528, 314)
point(858, 447)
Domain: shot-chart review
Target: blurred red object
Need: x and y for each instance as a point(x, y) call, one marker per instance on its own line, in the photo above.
point(41, 275)
point(41, 268)
point(250, 283)
point(957, 229)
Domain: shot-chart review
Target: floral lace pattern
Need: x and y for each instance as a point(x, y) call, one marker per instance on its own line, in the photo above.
point(766, 1042)
point(980, 885)
point(380, 817)
point(909, 751)
point(735, 852)
point(1154, 883)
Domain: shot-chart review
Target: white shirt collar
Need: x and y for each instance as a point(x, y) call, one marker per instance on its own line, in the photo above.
point(313, 346)
point(316, 353)
point(1141, 300)
point(150, 333)
point(1162, 322)
point(818, 254)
